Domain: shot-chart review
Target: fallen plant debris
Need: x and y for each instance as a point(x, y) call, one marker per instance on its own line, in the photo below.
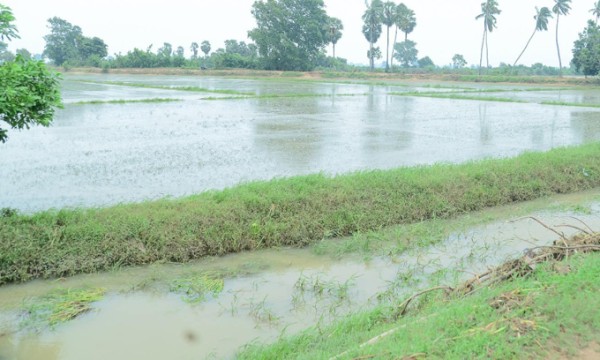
point(585, 242)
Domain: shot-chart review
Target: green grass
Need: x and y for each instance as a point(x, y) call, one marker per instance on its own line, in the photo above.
point(563, 103)
point(282, 96)
point(175, 88)
point(197, 289)
point(131, 101)
point(512, 320)
point(457, 96)
point(296, 211)
point(58, 307)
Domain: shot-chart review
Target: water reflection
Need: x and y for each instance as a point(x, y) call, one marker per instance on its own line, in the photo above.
point(100, 155)
point(586, 125)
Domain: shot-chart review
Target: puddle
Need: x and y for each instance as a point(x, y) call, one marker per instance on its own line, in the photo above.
point(267, 294)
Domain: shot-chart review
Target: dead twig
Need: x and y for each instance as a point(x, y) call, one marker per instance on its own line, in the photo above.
point(583, 223)
point(562, 236)
point(574, 227)
point(407, 302)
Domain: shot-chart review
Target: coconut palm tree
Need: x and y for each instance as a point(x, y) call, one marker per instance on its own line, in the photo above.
point(542, 16)
point(406, 22)
point(561, 7)
point(372, 25)
point(388, 19)
point(596, 10)
point(489, 10)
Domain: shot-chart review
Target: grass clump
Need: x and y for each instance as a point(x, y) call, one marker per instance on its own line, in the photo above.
point(176, 88)
point(457, 96)
point(284, 212)
point(563, 103)
point(556, 302)
point(59, 307)
point(197, 289)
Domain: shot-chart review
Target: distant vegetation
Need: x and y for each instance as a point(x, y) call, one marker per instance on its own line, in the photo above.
point(293, 35)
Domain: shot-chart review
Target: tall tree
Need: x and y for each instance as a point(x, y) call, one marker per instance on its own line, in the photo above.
point(405, 21)
point(372, 26)
point(596, 10)
point(290, 34)
point(458, 61)
point(194, 49)
point(407, 53)
point(30, 92)
point(542, 16)
point(205, 47)
point(561, 7)
point(67, 43)
point(62, 42)
point(333, 30)
point(586, 50)
point(489, 10)
point(388, 19)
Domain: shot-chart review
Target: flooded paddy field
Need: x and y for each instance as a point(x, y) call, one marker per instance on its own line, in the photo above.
point(155, 313)
point(226, 131)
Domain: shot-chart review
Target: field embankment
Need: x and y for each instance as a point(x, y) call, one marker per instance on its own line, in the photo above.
point(543, 305)
point(344, 75)
point(282, 212)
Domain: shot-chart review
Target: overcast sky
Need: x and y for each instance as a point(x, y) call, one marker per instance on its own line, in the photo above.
point(444, 27)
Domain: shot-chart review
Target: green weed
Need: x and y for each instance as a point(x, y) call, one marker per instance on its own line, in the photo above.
point(59, 307)
point(296, 211)
point(511, 320)
point(198, 288)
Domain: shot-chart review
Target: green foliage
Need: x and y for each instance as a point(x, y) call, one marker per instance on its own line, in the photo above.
point(426, 62)
point(285, 212)
point(30, 94)
point(586, 50)
point(8, 30)
point(290, 34)
point(406, 53)
point(66, 43)
point(522, 318)
point(197, 289)
point(458, 61)
point(59, 307)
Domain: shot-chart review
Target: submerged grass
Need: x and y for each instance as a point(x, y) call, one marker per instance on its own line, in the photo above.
point(130, 101)
point(197, 289)
point(459, 96)
point(59, 307)
point(557, 304)
point(563, 103)
point(175, 88)
point(284, 212)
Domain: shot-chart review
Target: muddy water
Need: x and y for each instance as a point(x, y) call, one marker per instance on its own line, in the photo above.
point(274, 292)
point(98, 155)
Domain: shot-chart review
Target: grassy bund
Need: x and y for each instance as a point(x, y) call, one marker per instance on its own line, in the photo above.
point(284, 212)
point(550, 313)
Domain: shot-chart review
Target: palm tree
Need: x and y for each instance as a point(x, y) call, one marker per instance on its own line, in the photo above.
point(372, 25)
point(541, 24)
point(596, 10)
point(333, 30)
point(194, 48)
point(489, 10)
point(561, 7)
point(406, 22)
point(388, 19)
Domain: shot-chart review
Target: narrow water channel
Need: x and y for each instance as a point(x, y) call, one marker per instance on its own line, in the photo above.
point(266, 294)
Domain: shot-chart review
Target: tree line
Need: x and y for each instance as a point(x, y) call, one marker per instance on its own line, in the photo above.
point(294, 35)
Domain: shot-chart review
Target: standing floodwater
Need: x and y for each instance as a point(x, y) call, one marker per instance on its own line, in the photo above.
point(100, 154)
